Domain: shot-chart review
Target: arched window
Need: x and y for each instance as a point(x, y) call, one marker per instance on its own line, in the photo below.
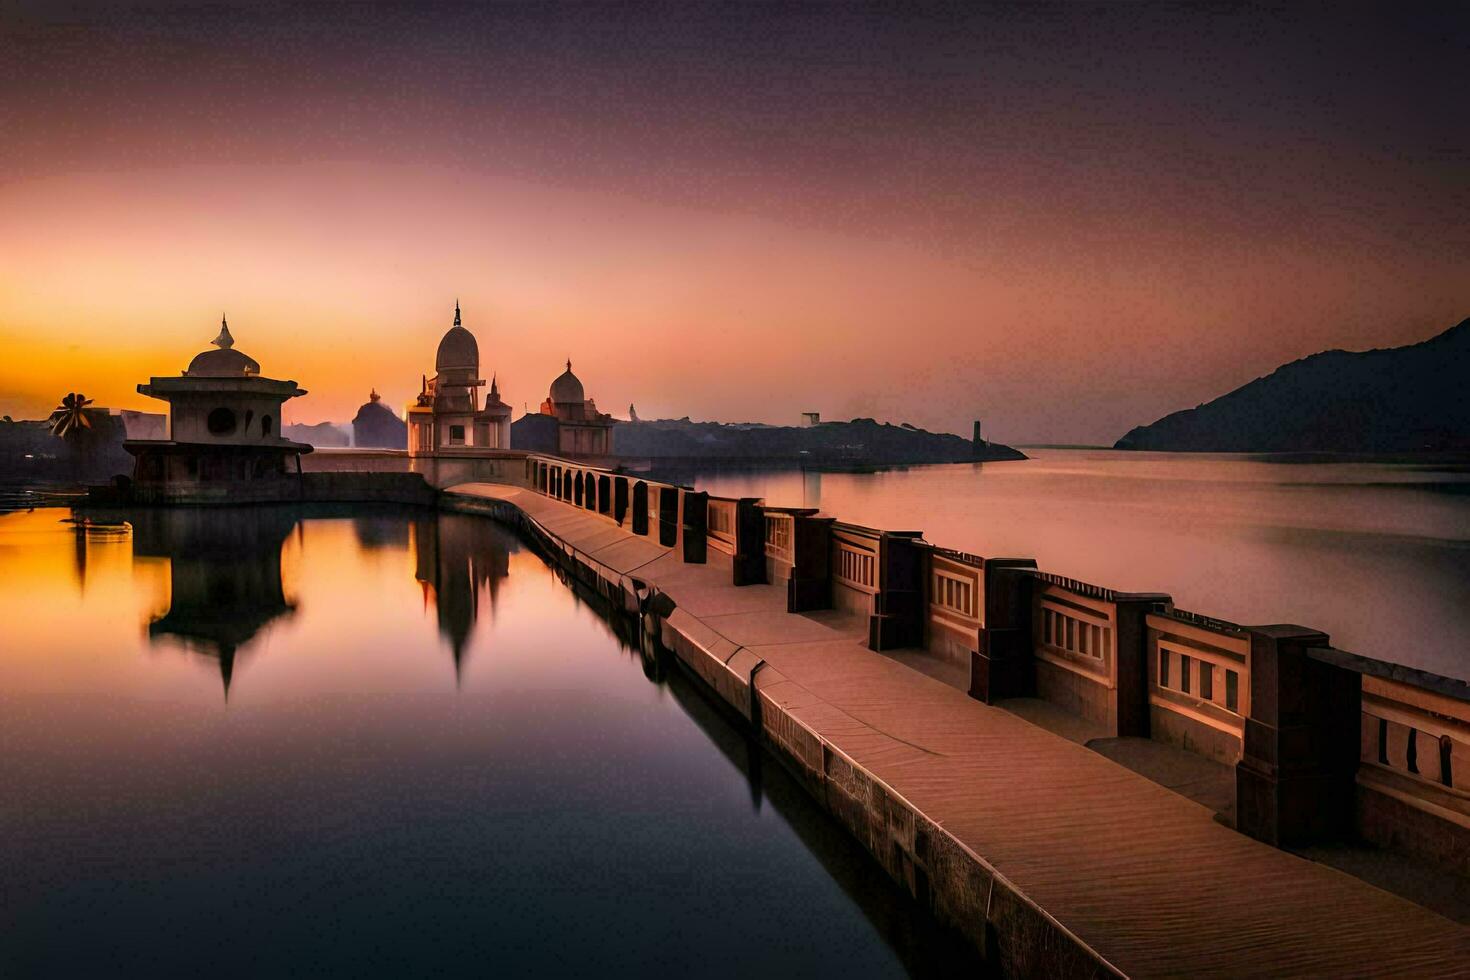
point(265, 425)
point(221, 422)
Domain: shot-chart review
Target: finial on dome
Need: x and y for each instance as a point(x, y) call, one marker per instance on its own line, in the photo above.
point(224, 341)
point(373, 396)
point(569, 364)
point(456, 311)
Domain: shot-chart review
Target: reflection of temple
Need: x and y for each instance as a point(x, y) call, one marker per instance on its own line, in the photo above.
point(457, 556)
point(225, 575)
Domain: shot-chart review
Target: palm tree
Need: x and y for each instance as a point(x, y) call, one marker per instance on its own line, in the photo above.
point(70, 420)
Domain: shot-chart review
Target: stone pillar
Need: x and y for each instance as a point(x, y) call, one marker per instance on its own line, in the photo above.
point(1002, 667)
point(668, 515)
point(810, 586)
point(1295, 782)
point(750, 542)
point(898, 608)
point(1130, 646)
point(640, 508)
point(695, 526)
point(620, 499)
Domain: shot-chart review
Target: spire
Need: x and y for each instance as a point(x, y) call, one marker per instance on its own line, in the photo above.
point(224, 341)
point(569, 364)
point(456, 312)
point(494, 388)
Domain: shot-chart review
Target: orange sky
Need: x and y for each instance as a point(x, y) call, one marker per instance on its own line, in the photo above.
point(1095, 242)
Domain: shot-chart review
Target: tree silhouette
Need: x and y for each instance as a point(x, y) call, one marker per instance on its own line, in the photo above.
point(70, 421)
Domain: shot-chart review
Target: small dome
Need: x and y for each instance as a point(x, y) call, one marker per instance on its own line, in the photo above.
point(374, 408)
point(223, 363)
point(458, 350)
point(226, 362)
point(567, 389)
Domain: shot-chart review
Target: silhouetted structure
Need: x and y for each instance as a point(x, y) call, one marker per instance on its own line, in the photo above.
point(376, 427)
point(224, 443)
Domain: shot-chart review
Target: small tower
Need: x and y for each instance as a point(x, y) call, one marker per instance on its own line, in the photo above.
point(447, 417)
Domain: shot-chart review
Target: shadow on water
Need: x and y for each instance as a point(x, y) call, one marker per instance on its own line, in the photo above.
point(924, 946)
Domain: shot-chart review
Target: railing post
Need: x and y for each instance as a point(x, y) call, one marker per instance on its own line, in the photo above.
point(750, 542)
point(898, 607)
point(1003, 667)
point(1130, 693)
point(810, 585)
point(696, 526)
point(620, 499)
point(1295, 782)
point(640, 508)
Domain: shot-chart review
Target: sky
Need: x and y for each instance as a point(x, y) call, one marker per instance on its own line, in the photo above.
point(1065, 220)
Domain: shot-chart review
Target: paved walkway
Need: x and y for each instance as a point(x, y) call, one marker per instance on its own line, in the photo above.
point(1144, 876)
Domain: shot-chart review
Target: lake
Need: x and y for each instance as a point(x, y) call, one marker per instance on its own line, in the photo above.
point(272, 741)
point(1375, 554)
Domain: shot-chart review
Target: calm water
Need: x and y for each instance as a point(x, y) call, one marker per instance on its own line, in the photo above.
point(1377, 555)
point(433, 757)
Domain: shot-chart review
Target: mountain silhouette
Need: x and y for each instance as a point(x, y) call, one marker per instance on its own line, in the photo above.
point(1400, 399)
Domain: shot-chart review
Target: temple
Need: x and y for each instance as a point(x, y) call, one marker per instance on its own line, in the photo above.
point(376, 427)
point(448, 415)
point(568, 423)
point(223, 433)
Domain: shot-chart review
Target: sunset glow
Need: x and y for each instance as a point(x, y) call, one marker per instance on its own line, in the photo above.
point(955, 218)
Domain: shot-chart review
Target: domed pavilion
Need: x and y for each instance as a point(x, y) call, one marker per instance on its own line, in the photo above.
point(448, 415)
point(223, 442)
point(581, 430)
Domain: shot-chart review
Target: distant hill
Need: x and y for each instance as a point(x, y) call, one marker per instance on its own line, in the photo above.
point(858, 442)
point(1401, 399)
point(327, 435)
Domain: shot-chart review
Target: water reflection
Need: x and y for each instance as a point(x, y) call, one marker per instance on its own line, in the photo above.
point(576, 806)
point(225, 575)
point(1372, 552)
point(456, 558)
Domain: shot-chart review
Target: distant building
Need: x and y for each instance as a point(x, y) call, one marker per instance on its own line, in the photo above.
point(376, 427)
point(448, 415)
point(809, 419)
point(144, 425)
point(224, 439)
point(581, 430)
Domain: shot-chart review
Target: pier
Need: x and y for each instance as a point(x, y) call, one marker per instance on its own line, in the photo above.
point(1048, 857)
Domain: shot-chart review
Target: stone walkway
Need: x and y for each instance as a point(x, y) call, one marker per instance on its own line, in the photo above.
point(1144, 876)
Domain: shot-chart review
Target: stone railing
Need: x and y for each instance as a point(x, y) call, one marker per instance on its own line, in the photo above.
point(723, 526)
point(673, 516)
point(1323, 743)
point(1199, 683)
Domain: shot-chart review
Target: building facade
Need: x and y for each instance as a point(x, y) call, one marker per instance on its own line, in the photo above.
point(223, 438)
point(448, 415)
point(581, 430)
